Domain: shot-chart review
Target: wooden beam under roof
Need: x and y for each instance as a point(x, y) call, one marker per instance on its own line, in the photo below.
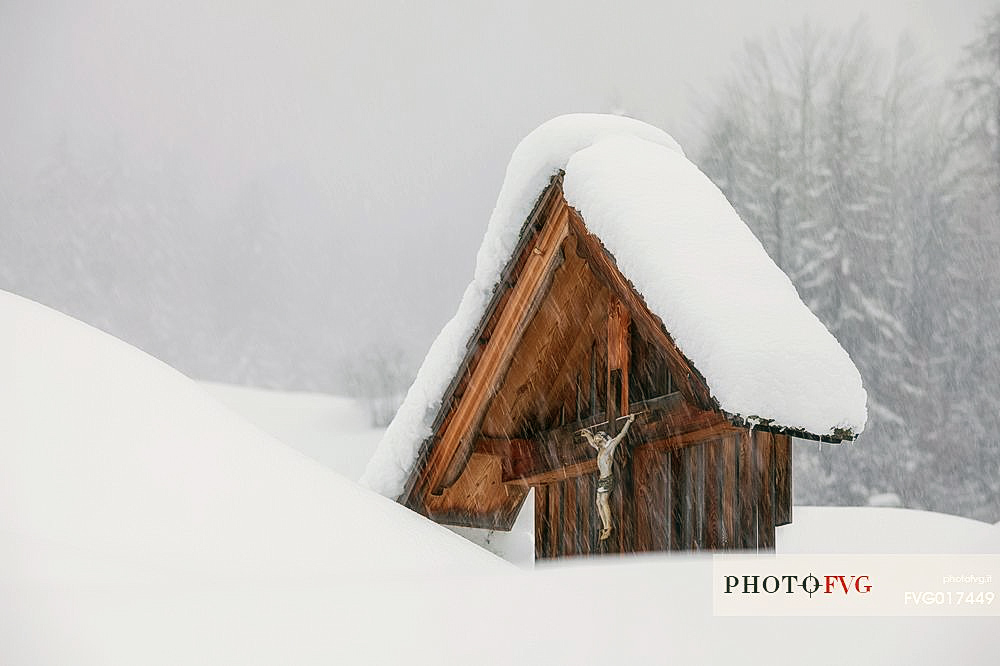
point(666, 422)
point(415, 491)
point(454, 446)
point(539, 382)
point(618, 364)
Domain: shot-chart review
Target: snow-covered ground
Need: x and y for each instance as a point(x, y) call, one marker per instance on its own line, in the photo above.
point(336, 431)
point(330, 429)
point(114, 466)
point(141, 522)
point(864, 529)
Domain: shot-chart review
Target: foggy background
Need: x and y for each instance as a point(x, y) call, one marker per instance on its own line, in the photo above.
point(289, 194)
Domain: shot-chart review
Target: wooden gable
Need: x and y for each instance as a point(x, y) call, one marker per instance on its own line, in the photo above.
point(568, 343)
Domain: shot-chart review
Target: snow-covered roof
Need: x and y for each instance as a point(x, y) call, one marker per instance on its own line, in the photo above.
point(731, 311)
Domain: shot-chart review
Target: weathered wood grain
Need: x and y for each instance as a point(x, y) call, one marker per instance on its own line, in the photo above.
point(765, 501)
point(690, 382)
point(497, 354)
point(782, 480)
point(747, 529)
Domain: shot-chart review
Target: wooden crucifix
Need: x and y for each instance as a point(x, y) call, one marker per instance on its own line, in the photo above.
point(606, 442)
point(605, 446)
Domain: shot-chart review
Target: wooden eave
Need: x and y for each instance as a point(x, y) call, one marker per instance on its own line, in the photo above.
point(418, 483)
point(837, 437)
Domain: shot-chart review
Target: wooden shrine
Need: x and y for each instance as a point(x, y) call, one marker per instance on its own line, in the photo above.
point(567, 343)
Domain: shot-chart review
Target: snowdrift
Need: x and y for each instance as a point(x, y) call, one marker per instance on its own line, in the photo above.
point(142, 522)
point(333, 430)
point(114, 465)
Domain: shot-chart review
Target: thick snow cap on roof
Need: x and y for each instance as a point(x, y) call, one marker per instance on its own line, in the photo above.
point(732, 312)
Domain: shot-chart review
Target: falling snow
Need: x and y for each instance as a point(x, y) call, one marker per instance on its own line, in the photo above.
point(734, 314)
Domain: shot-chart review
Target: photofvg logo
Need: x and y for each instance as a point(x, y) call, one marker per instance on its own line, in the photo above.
point(856, 584)
point(808, 584)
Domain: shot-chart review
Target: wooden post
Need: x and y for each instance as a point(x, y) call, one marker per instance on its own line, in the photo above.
point(593, 520)
point(643, 480)
point(730, 498)
point(765, 507)
point(616, 386)
point(682, 476)
point(713, 493)
point(618, 362)
point(782, 480)
point(614, 403)
point(697, 490)
point(593, 379)
point(541, 523)
point(747, 530)
point(555, 519)
point(584, 499)
point(666, 524)
point(570, 522)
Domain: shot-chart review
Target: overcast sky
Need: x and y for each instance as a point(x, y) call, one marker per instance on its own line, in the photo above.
point(378, 132)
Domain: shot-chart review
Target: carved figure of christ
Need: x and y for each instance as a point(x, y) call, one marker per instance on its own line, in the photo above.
point(605, 446)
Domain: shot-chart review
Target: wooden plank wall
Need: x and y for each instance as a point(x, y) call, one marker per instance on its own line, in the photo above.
point(725, 493)
point(566, 520)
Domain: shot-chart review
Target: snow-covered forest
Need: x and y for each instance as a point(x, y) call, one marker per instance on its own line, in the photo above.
point(877, 189)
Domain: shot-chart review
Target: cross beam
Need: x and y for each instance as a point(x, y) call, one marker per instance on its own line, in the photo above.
point(559, 453)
